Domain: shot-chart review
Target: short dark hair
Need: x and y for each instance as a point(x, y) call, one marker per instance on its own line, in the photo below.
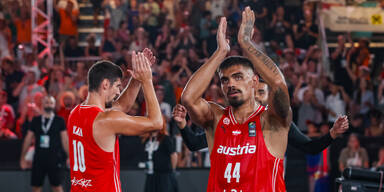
point(103, 70)
point(235, 60)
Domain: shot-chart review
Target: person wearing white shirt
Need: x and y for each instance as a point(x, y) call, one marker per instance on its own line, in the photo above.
point(336, 102)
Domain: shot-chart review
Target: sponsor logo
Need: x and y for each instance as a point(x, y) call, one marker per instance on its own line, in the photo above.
point(82, 182)
point(239, 150)
point(226, 121)
point(252, 129)
point(77, 131)
point(236, 132)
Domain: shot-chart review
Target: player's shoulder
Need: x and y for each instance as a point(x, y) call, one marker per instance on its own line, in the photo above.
point(217, 109)
point(109, 115)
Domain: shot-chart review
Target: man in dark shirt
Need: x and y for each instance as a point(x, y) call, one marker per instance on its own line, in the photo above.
point(12, 78)
point(50, 136)
point(295, 137)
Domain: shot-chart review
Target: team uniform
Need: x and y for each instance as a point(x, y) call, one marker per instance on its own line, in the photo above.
point(240, 160)
point(92, 168)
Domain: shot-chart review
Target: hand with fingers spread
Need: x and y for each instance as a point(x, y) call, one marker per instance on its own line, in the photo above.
point(179, 113)
point(149, 55)
point(246, 28)
point(222, 41)
point(141, 67)
point(340, 126)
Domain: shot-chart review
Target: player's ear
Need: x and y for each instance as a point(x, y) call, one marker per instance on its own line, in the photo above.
point(105, 84)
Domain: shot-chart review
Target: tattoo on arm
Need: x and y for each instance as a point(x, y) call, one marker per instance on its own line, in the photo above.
point(265, 59)
point(280, 103)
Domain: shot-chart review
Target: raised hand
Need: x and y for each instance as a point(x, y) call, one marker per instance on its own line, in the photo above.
point(340, 126)
point(246, 28)
point(222, 41)
point(178, 114)
point(149, 55)
point(141, 67)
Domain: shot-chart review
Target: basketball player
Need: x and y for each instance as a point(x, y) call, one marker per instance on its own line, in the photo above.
point(295, 137)
point(93, 129)
point(246, 142)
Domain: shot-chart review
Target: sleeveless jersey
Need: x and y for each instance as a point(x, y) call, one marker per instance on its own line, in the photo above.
point(92, 168)
point(240, 160)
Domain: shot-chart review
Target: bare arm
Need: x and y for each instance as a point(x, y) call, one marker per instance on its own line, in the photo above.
point(64, 141)
point(128, 125)
point(278, 99)
point(174, 160)
point(129, 94)
point(380, 91)
point(199, 109)
point(27, 142)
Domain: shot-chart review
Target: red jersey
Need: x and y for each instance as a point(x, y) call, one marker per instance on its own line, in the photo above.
point(92, 168)
point(240, 160)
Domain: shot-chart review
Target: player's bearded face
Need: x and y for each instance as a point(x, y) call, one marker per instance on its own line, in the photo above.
point(235, 97)
point(114, 94)
point(237, 84)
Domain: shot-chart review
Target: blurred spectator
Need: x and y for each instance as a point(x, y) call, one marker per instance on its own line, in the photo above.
point(306, 31)
point(108, 44)
point(379, 164)
point(91, 49)
point(339, 64)
point(336, 102)
point(152, 11)
point(72, 48)
point(33, 108)
point(353, 155)
point(359, 56)
point(7, 118)
point(280, 28)
point(5, 38)
point(184, 39)
point(12, 77)
point(123, 34)
point(27, 87)
point(205, 24)
point(376, 124)
point(68, 20)
point(140, 40)
point(117, 9)
point(166, 109)
point(55, 82)
point(23, 25)
point(380, 96)
point(258, 39)
point(67, 101)
point(96, 5)
point(216, 7)
point(164, 42)
point(363, 97)
point(311, 63)
point(290, 61)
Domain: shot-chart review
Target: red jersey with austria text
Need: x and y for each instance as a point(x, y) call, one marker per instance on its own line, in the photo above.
point(92, 168)
point(240, 160)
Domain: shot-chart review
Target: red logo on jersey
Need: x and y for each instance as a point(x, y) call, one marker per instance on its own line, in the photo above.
point(226, 121)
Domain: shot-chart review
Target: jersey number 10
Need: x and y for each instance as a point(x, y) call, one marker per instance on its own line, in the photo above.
point(78, 156)
point(235, 174)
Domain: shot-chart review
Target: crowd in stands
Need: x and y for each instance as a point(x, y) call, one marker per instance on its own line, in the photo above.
point(182, 34)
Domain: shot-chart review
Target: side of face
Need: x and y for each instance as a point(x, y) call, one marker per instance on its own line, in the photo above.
point(261, 93)
point(238, 84)
point(111, 91)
